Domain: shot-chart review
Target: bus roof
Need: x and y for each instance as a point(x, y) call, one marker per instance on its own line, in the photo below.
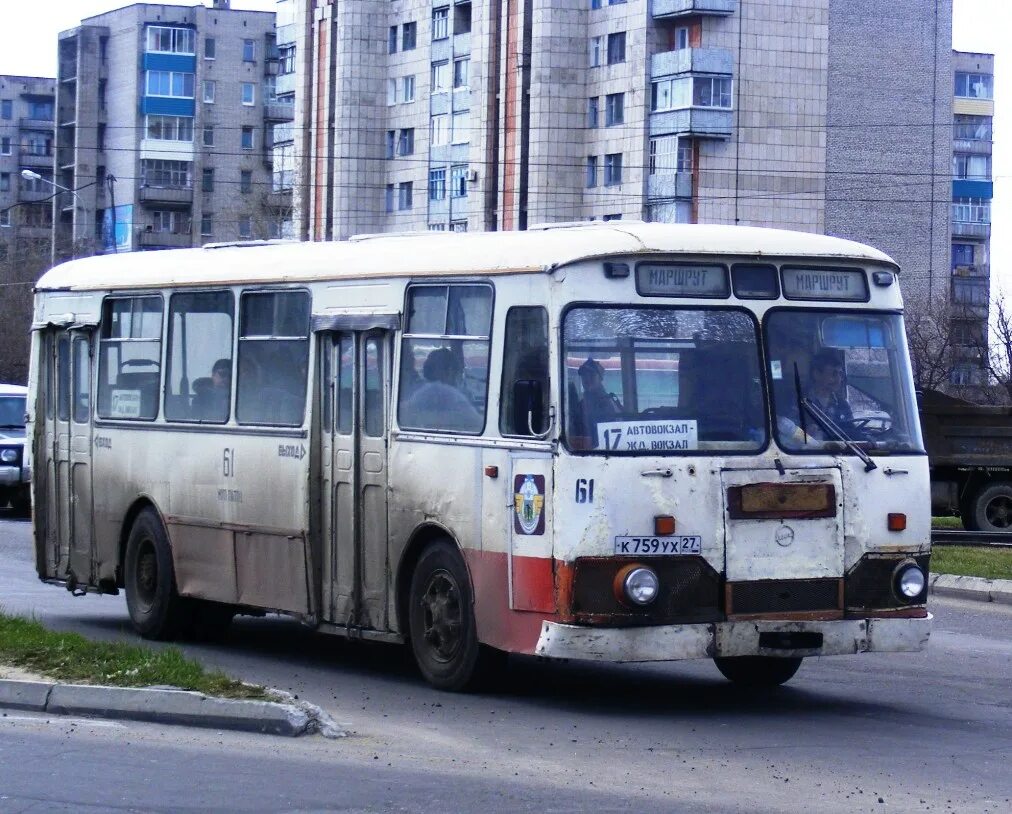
point(537, 250)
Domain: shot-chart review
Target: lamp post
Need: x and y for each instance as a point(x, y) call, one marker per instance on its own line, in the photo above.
point(30, 175)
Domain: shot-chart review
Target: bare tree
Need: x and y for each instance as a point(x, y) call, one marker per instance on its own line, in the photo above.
point(22, 262)
point(998, 357)
point(932, 344)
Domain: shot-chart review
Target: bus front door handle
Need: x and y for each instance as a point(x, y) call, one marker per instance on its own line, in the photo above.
point(657, 473)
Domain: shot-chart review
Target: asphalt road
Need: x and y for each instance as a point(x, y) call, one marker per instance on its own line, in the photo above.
point(907, 732)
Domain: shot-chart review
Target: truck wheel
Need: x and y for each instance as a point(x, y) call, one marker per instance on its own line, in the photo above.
point(992, 510)
point(156, 610)
point(444, 637)
point(758, 671)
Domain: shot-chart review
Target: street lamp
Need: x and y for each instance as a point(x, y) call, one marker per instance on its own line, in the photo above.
point(30, 175)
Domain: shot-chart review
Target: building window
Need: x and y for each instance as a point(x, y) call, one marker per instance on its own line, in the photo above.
point(247, 142)
point(681, 38)
point(392, 40)
point(614, 109)
point(461, 127)
point(440, 77)
point(207, 179)
point(409, 36)
point(5, 145)
point(971, 167)
point(440, 131)
point(595, 4)
point(406, 141)
point(209, 91)
point(437, 227)
point(5, 220)
point(404, 195)
point(408, 88)
point(248, 93)
point(156, 172)
point(208, 47)
point(286, 60)
point(245, 181)
point(245, 227)
point(37, 144)
point(458, 181)
point(962, 255)
point(970, 290)
point(591, 171)
point(593, 111)
point(711, 91)
point(971, 210)
point(462, 18)
point(5, 183)
point(169, 221)
point(391, 143)
point(596, 51)
point(970, 128)
point(616, 48)
point(974, 85)
point(670, 155)
point(206, 224)
point(170, 128)
point(461, 69)
point(208, 135)
point(174, 84)
point(437, 184)
point(458, 225)
point(613, 169)
point(441, 23)
point(392, 96)
point(249, 51)
point(698, 91)
point(171, 40)
point(6, 109)
point(44, 110)
point(390, 197)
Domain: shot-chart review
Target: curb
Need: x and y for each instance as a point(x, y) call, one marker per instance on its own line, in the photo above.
point(168, 706)
point(976, 588)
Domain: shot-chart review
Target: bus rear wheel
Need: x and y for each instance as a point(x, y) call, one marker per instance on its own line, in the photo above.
point(444, 637)
point(156, 610)
point(758, 671)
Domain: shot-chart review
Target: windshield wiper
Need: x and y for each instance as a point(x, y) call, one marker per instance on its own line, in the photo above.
point(832, 427)
point(12, 426)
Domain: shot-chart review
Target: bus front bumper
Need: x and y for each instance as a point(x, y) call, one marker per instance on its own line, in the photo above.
point(676, 642)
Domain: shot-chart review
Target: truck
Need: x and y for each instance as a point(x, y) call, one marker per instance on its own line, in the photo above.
point(970, 452)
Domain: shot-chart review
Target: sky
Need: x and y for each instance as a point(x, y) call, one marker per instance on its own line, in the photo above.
point(28, 32)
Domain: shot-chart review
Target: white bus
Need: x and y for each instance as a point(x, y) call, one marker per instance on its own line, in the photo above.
point(627, 442)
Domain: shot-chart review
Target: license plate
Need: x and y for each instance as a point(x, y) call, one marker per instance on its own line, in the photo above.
point(684, 544)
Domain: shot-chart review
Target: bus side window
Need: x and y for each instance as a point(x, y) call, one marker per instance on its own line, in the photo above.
point(525, 383)
point(273, 358)
point(129, 357)
point(199, 358)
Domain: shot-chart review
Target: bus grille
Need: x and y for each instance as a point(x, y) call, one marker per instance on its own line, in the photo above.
point(870, 583)
point(783, 596)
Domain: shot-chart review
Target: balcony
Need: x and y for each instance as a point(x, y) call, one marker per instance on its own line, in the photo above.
point(964, 229)
point(37, 124)
point(279, 112)
point(167, 196)
point(271, 67)
point(27, 159)
point(26, 195)
point(164, 240)
point(691, 60)
point(698, 122)
point(982, 270)
point(669, 185)
point(663, 9)
point(278, 199)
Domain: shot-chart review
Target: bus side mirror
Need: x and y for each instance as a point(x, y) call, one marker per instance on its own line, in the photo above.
point(529, 407)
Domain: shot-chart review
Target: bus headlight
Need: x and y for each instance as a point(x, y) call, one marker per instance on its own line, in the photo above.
point(640, 585)
point(8, 456)
point(908, 580)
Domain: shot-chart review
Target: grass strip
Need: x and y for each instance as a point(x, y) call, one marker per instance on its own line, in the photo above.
point(954, 523)
point(990, 563)
point(72, 658)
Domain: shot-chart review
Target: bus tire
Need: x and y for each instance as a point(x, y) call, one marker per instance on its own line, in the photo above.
point(992, 508)
point(442, 630)
point(156, 609)
point(758, 671)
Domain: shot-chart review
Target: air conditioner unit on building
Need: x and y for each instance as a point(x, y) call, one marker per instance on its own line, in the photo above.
point(472, 176)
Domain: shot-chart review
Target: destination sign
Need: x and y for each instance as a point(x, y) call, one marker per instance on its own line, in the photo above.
point(825, 284)
point(681, 280)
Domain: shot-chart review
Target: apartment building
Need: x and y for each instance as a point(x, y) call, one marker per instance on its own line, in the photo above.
point(821, 115)
point(165, 116)
point(26, 165)
point(972, 190)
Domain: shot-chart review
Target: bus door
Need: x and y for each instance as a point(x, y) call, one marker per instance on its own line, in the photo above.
point(68, 510)
point(355, 370)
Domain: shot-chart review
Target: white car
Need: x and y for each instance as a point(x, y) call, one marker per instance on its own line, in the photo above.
point(15, 472)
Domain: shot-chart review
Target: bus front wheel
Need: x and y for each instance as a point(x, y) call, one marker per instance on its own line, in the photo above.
point(156, 610)
point(444, 638)
point(758, 671)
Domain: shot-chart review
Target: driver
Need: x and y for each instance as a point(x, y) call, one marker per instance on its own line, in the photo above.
point(826, 387)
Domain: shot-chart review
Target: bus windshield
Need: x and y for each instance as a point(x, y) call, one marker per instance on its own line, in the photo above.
point(841, 380)
point(662, 380)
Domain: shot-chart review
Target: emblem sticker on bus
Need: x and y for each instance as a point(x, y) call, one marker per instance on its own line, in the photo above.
point(825, 284)
point(529, 504)
point(681, 280)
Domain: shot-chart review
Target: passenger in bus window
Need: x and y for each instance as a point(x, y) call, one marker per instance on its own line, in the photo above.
point(597, 404)
point(211, 401)
point(439, 403)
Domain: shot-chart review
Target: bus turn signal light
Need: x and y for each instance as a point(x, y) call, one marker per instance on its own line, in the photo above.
point(897, 521)
point(664, 525)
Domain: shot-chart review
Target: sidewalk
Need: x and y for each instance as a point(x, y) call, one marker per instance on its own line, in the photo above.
point(976, 588)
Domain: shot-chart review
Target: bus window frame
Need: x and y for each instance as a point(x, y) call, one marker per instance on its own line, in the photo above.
point(757, 264)
point(816, 267)
point(548, 371)
point(403, 334)
point(699, 305)
point(846, 453)
point(307, 407)
point(131, 295)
